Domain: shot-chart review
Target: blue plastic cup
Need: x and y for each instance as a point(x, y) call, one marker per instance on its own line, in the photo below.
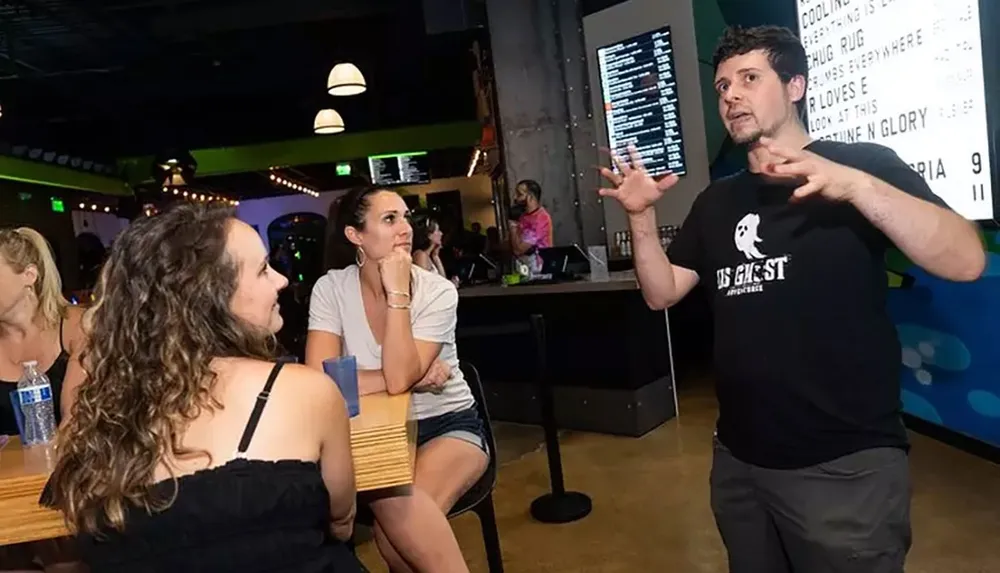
point(15, 403)
point(344, 371)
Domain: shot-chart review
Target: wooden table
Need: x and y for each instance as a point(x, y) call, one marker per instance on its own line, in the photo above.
point(383, 441)
point(23, 473)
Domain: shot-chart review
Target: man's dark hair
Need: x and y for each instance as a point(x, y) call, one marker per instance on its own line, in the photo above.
point(531, 186)
point(783, 48)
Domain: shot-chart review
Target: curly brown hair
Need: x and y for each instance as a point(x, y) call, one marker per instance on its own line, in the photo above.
point(162, 315)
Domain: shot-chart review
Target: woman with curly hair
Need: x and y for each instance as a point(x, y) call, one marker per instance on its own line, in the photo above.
point(187, 447)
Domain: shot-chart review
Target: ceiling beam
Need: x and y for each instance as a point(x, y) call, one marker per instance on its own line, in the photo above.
point(25, 171)
point(38, 10)
point(9, 52)
point(315, 150)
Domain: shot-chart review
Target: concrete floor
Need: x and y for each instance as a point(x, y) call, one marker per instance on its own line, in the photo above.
point(651, 509)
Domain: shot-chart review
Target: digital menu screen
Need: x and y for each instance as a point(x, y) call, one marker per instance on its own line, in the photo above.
point(639, 93)
point(400, 169)
point(907, 74)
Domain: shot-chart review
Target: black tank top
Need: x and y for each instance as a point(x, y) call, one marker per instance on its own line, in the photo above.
point(247, 516)
point(56, 373)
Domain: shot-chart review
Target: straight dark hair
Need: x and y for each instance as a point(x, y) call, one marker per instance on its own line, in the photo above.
point(423, 222)
point(349, 210)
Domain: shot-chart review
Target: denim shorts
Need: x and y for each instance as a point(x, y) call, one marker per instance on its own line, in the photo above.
point(460, 424)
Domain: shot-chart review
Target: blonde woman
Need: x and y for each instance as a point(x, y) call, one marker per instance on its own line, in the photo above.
point(36, 324)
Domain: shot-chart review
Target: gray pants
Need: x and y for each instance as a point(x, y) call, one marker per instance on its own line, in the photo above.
point(849, 515)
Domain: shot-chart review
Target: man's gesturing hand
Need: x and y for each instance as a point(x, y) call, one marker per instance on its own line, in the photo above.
point(632, 186)
point(814, 174)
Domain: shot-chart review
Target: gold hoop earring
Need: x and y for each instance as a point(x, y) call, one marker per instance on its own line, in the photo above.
point(360, 257)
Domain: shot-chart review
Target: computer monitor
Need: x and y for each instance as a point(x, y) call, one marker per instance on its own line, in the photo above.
point(564, 262)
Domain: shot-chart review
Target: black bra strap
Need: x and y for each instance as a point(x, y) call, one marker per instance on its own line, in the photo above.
point(62, 347)
point(258, 409)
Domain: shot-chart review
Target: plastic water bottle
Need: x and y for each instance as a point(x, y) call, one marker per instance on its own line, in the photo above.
point(34, 393)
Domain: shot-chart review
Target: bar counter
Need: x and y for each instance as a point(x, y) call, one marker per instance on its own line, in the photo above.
point(618, 281)
point(608, 355)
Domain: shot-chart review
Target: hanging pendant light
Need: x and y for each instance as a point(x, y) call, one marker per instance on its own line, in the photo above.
point(174, 167)
point(345, 80)
point(328, 121)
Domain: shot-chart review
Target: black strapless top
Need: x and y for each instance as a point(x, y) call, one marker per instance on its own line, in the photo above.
point(56, 373)
point(247, 516)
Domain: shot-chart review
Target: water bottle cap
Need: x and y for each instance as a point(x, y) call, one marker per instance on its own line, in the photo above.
point(31, 363)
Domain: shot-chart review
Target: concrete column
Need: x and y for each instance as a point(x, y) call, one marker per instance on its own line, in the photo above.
point(543, 102)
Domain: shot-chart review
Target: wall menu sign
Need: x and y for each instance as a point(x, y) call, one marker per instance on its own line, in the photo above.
point(907, 74)
point(641, 103)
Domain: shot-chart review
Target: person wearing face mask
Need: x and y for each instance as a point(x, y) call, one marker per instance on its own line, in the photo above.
point(188, 447)
point(530, 224)
point(398, 320)
point(810, 471)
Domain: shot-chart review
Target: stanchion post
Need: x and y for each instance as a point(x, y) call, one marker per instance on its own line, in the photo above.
point(558, 506)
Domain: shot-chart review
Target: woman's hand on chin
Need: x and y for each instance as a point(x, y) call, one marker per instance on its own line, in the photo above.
point(395, 272)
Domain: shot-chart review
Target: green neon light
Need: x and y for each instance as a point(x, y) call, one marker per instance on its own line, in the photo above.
point(394, 155)
point(58, 206)
point(315, 150)
point(34, 173)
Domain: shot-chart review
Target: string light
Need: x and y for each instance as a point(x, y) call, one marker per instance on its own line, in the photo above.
point(94, 207)
point(201, 197)
point(293, 185)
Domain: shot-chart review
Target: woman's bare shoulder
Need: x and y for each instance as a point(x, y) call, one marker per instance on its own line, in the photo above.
point(72, 328)
point(74, 315)
point(297, 381)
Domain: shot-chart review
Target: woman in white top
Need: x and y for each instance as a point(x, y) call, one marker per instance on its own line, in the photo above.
point(398, 320)
point(427, 242)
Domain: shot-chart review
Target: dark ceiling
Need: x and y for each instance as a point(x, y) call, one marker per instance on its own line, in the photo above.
point(112, 78)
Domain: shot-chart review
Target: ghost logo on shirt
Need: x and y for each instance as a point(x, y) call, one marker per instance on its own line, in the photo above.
point(746, 238)
point(751, 276)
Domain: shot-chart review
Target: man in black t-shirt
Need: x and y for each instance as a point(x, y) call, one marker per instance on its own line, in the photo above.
point(810, 472)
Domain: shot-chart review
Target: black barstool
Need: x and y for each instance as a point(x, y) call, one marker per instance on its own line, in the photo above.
point(559, 505)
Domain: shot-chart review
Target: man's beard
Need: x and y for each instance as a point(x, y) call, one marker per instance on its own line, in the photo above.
point(748, 138)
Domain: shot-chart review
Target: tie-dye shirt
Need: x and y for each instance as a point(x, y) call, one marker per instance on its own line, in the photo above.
point(536, 228)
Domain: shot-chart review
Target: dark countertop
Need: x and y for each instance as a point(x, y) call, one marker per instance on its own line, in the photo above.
point(617, 281)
